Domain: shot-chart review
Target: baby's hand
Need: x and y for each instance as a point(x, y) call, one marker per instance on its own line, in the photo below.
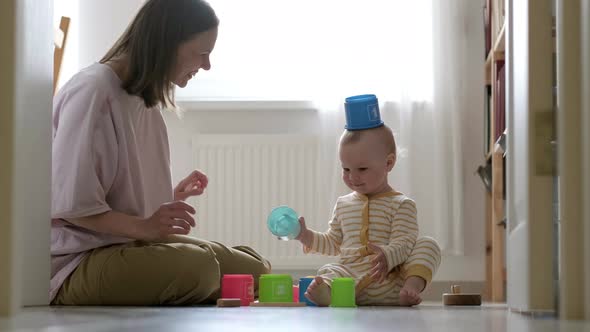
point(304, 237)
point(379, 270)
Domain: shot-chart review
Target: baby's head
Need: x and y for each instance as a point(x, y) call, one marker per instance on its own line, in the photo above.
point(367, 156)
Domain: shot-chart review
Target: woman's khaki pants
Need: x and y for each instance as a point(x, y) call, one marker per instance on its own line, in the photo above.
point(179, 270)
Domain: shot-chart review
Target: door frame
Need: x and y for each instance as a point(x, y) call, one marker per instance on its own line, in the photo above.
point(530, 284)
point(9, 296)
point(571, 156)
point(26, 148)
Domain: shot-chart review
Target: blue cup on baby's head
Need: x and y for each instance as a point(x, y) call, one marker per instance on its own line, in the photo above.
point(284, 223)
point(362, 112)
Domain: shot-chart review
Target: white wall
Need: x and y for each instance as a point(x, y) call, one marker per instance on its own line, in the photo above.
point(95, 37)
point(95, 25)
point(101, 23)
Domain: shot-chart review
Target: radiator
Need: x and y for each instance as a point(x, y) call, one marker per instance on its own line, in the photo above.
point(248, 176)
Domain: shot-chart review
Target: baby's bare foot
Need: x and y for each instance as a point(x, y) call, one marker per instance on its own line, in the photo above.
point(318, 292)
point(409, 295)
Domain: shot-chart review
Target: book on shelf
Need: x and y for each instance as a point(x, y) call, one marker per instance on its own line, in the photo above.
point(497, 18)
point(502, 142)
point(485, 174)
point(487, 12)
point(504, 178)
point(499, 100)
point(487, 119)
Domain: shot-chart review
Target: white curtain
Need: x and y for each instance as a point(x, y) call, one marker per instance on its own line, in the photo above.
point(411, 54)
point(429, 132)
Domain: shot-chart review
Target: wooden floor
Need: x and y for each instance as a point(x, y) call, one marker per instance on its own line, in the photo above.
point(426, 317)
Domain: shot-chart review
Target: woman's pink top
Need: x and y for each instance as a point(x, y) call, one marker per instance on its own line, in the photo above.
point(110, 152)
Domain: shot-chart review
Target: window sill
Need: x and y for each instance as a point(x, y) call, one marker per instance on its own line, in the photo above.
point(246, 105)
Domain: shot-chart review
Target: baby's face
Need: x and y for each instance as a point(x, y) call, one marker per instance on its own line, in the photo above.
point(365, 166)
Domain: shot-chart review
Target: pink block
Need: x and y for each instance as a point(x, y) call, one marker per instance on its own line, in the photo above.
point(295, 293)
point(238, 286)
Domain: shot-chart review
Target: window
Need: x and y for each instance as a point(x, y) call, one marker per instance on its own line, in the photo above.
point(317, 49)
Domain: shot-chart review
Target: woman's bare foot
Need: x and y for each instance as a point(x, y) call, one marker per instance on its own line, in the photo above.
point(409, 295)
point(319, 292)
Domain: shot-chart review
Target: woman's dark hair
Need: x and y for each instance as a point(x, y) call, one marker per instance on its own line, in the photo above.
point(150, 44)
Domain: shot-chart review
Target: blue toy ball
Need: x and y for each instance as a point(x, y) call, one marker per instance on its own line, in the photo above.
point(283, 222)
point(362, 112)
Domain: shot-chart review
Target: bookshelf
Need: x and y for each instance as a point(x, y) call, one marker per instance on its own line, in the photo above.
point(494, 149)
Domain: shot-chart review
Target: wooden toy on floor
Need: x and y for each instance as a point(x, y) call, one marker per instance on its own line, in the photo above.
point(226, 303)
point(458, 298)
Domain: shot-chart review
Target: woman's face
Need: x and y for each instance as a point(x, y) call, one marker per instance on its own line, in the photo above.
point(193, 55)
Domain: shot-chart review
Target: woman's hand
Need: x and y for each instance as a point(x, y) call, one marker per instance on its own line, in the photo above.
point(192, 185)
point(170, 218)
point(378, 271)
